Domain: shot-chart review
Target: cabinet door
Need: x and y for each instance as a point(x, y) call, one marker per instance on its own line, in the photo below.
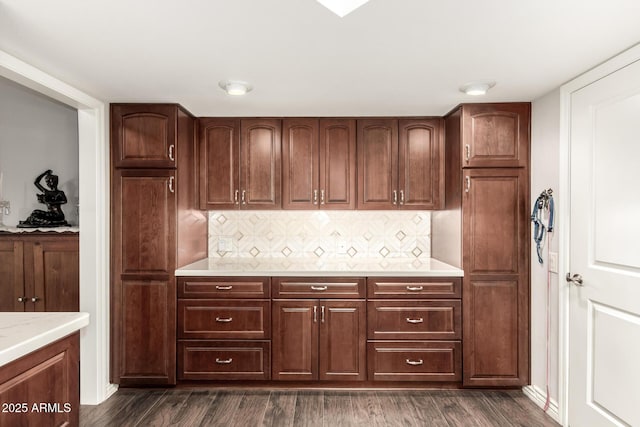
point(143, 262)
point(495, 285)
point(260, 158)
point(300, 187)
point(337, 164)
point(219, 163)
point(294, 346)
point(56, 274)
point(11, 275)
point(377, 163)
point(143, 135)
point(421, 164)
point(343, 340)
point(495, 135)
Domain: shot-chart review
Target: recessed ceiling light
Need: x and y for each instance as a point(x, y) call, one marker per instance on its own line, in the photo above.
point(342, 7)
point(235, 87)
point(477, 88)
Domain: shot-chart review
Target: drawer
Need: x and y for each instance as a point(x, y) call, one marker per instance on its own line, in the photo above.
point(224, 360)
point(224, 287)
point(224, 319)
point(414, 360)
point(414, 319)
point(407, 287)
point(318, 287)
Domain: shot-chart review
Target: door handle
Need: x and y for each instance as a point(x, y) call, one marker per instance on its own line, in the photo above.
point(244, 197)
point(235, 196)
point(322, 315)
point(315, 197)
point(402, 197)
point(322, 197)
point(315, 314)
point(576, 279)
point(467, 149)
point(395, 197)
point(171, 148)
point(468, 181)
point(171, 189)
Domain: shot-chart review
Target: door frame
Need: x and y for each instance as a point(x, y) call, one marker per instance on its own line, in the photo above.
point(94, 213)
point(612, 65)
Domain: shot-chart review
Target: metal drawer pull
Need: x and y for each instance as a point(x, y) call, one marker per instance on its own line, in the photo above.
point(224, 319)
point(318, 288)
point(171, 148)
point(315, 314)
point(223, 361)
point(419, 320)
point(322, 313)
point(414, 362)
point(224, 288)
point(415, 288)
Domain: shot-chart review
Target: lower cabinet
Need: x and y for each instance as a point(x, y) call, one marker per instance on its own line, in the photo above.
point(414, 360)
point(224, 360)
point(319, 340)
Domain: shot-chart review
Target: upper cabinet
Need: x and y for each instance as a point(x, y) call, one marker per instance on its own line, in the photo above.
point(495, 135)
point(400, 164)
point(240, 163)
point(319, 164)
point(144, 135)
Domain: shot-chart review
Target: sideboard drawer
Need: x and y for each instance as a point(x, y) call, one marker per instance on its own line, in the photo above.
point(414, 360)
point(419, 287)
point(224, 287)
point(318, 287)
point(224, 360)
point(414, 319)
point(224, 319)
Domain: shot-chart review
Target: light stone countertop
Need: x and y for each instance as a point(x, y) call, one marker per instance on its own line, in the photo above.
point(389, 267)
point(23, 333)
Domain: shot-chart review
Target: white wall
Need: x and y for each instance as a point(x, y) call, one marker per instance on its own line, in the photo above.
point(545, 153)
point(36, 133)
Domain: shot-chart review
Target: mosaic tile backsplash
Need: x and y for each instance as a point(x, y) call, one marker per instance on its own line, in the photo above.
point(320, 234)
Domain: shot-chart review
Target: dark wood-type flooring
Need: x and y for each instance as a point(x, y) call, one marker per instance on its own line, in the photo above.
point(246, 408)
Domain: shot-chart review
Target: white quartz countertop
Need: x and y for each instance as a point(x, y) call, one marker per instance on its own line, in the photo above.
point(22, 333)
point(402, 267)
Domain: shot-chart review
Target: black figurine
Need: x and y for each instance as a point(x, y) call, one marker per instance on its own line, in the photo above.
point(53, 198)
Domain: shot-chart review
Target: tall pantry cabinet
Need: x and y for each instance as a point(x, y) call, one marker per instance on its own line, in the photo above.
point(487, 154)
point(155, 228)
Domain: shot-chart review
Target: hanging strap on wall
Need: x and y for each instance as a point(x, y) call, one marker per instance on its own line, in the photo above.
point(543, 205)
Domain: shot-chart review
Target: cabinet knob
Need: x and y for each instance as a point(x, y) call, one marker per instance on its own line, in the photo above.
point(22, 299)
point(35, 299)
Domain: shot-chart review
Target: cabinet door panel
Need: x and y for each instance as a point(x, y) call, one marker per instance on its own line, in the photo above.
point(300, 164)
point(337, 164)
point(143, 135)
point(377, 163)
point(421, 164)
point(295, 340)
point(219, 163)
point(56, 275)
point(260, 163)
point(342, 340)
point(11, 275)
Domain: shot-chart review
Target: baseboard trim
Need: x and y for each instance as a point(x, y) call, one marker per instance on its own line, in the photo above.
point(539, 397)
point(110, 390)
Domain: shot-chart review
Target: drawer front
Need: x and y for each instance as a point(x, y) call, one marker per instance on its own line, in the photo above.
point(414, 361)
point(224, 360)
point(318, 287)
point(224, 287)
point(414, 319)
point(432, 287)
point(224, 319)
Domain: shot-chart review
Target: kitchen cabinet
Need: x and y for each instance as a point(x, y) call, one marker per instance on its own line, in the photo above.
point(51, 376)
point(488, 185)
point(155, 228)
point(410, 337)
point(240, 163)
point(400, 163)
point(39, 272)
point(318, 338)
point(319, 164)
point(495, 135)
point(224, 328)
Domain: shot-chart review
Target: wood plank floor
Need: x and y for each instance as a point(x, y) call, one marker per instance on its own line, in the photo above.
point(247, 408)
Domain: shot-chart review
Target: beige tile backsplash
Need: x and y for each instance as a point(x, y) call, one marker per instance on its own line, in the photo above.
point(320, 234)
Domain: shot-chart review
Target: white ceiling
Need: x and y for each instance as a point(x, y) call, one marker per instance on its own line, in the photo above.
point(389, 57)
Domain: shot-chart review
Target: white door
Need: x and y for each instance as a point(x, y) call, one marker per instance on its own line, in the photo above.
point(604, 317)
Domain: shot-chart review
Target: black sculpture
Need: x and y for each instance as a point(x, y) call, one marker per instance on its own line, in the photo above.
point(53, 198)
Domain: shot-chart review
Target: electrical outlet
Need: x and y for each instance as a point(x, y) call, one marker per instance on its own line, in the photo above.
point(553, 262)
point(224, 244)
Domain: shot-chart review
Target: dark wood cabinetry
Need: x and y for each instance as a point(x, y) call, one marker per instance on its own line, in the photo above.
point(155, 229)
point(319, 339)
point(39, 272)
point(400, 164)
point(319, 164)
point(488, 157)
point(240, 163)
